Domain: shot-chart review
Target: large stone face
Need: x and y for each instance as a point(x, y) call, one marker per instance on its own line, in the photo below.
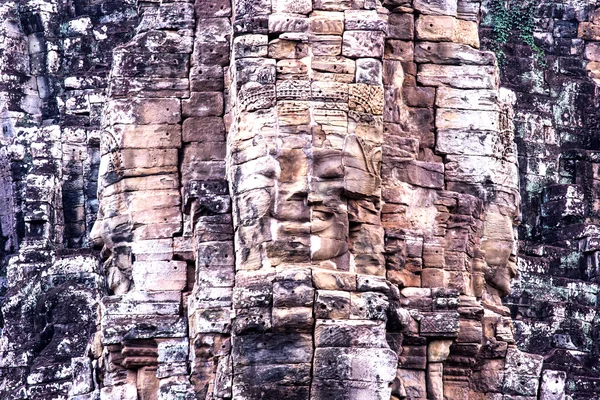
point(309, 199)
point(556, 137)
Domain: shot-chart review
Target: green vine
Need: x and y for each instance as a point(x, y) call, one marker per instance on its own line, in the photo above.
point(510, 17)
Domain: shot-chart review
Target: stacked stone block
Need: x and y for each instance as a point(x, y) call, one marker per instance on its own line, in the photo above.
point(143, 328)
point(297, 199)
point(52, 293)
point(305, 157)
point(207, 203)
point(555, 299)
point(451, 201)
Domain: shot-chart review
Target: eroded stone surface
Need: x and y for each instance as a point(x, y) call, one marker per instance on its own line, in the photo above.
point(307, 199)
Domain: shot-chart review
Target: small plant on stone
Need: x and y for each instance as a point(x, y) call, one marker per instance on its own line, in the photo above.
point(510, 18)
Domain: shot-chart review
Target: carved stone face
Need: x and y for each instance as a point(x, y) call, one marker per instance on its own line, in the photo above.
point(498, 245)
point(329, 238)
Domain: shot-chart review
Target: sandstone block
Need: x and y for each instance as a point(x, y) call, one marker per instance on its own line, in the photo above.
point(215, 320)
point(203, 129)
point(140, 162)
point(210, 297)
point(485, 100)
point(203, 104)
point(440, 324)
point(327, 23)
point(293, 291)
point(393, 73)
point(414, 356)
point(468, 10)
point(122, 392)
point(553, 385)
point(160, 42)
point(369, 283)
point(287, 49)
point(160, 275)
point(149, 87)
point(521, 363)
point(447, 29)
point(207, 151)
point(335, 333)
point(215, 53)
point(470, 331)
point(419, 173)
point(369, 71)
point(142, 303)
point(364, 20)
point(438, 350)
point(165, 65)
point(434, 278)
point(293, 319)
point(435, 28)
point(401, 26)
point(288, 23)
point(213, 8)
point(282, 374)
point(143, 111)
point(447, 119)
point(146, 136)
point(435, 385)
point(357, 44)
point(323, 389)
point(206, 78)
point(173, 351)
point(268, 349)
point(293, 6)
point(369, 306)
point(332, 305)
point(170, 16)
point(114, 327)
point(414, 382)
point(250, 46)
point(213, 30)
point(331, 45)
point(451, 53)
point(82, 376)
point(337, 64)
point(333, 280)
point(252, 320)
point(588, 31)
point(256, 70)
point(215, 276)
point(244, 387)
point(399, 50)
point(194, 168)
point(332, 5)
point(471, 77)
point(357, 364)
point(436, 7)
point(404, 278)
point(434, 255)
point(519, 385)
point(462, 168)
point(467, 32)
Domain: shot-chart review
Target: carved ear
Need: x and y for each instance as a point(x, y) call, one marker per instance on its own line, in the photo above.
point(354, 154)
point(376, 161)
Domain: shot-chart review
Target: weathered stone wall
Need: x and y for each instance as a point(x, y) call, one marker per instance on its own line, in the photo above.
point(555, 300)
point(54, 61)
point(301, 199)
